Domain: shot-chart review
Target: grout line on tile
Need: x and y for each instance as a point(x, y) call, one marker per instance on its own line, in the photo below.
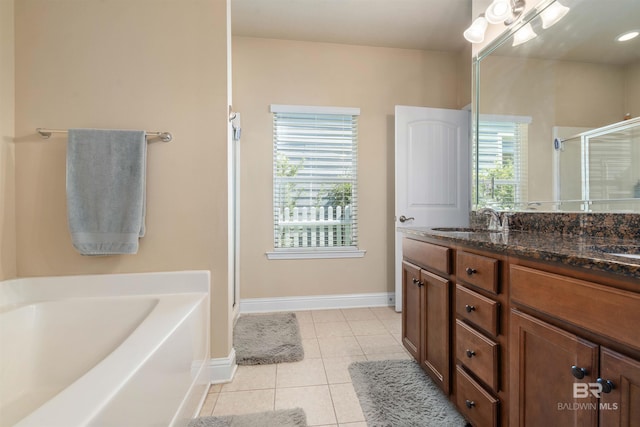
point(275, 390)
point(333, 404)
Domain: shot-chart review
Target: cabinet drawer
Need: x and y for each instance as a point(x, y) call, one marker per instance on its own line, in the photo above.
point(478, 270)
point(477, 353)
point(426, 255)
point(475, 403)
point(477, 309)
point(598, 308)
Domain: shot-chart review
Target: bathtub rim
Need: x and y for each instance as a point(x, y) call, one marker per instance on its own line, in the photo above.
point(26, 290)
point(194, 285)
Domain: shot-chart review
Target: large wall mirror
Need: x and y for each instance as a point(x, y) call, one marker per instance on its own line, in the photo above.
point(557, 111)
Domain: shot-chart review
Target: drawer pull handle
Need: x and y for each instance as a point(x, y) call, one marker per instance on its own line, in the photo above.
point(577, 372)
point(470, 271)
point(414, 280)
point(470, 353)
point(470, 308)
point(469, 403)
point(607, 385)
point(417, 282)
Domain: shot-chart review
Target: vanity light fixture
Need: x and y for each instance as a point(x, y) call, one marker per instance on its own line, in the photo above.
point(517, 8)
point(553, 14)
point(523, 35)
point(475, 33)
point(506, 11)
point(498, 11)
point(629, 35)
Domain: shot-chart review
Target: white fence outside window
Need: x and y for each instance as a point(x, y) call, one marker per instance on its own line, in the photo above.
point(315, 227)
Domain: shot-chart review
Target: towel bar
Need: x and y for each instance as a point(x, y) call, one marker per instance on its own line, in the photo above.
point(46, 134)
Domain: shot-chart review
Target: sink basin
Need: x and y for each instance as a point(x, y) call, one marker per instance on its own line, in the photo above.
point(465, 230)
point(626, 251)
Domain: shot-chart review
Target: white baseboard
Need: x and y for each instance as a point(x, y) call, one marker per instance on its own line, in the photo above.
point(317, 302)
point(223, 369)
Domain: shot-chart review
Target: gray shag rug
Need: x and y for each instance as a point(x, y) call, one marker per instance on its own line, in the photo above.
point(262, 339)
point(283, 418)
point(397, 393)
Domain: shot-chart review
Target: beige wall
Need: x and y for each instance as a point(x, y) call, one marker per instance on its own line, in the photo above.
point(589, 95)
point(127, 64)
point(7, 155)
point(465, 67)
point(632, 89)
point(375, 80)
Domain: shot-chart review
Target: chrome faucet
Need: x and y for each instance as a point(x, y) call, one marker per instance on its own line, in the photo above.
point(495, 221)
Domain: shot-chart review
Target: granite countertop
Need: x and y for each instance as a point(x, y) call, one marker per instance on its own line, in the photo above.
point(583, 251)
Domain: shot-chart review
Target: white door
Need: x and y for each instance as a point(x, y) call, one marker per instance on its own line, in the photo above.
point(432, 172)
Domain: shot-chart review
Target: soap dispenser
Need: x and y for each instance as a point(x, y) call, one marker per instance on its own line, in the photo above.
point(636, 190)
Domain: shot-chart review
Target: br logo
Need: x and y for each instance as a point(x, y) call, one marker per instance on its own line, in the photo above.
point(584, 390)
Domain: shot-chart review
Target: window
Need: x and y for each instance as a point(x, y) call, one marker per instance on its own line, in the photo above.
point(501, 161)
point(315, 203)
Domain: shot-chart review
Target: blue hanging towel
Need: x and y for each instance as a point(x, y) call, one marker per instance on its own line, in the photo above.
point(106, 190)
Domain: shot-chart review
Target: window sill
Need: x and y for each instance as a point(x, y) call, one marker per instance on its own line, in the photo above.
point(316, 253)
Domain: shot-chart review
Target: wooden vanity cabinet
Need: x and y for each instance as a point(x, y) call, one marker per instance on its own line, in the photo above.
point(512, 340)
point(622, 403)
point(562, 369)
point(478, 337)
point(426, 314)
point(542, 380)
point(454, 331)
point(412, 295)
point(436, 320)
point(547, 361)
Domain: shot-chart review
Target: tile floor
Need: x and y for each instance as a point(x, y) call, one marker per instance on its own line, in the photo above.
point(320, 384)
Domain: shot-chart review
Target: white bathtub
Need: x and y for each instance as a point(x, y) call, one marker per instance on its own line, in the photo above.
point(104, 350)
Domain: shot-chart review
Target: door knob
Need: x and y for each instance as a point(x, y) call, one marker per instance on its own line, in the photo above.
point(404, 218)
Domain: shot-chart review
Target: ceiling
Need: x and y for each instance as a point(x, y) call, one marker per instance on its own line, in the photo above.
point(411, 24)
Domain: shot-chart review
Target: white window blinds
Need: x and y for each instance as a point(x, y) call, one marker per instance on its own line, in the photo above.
point(315, 152)
point(502, 161)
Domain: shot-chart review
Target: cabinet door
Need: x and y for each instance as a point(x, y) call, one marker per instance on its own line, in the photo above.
point(411, 309)
point(541, 375)
point(436, 326)
point(619, 406)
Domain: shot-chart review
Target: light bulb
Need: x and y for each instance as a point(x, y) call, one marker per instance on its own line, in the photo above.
point(523, 35)
point(475, 33)
point(628, 36)
point(553, 14)
point(498, 11)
